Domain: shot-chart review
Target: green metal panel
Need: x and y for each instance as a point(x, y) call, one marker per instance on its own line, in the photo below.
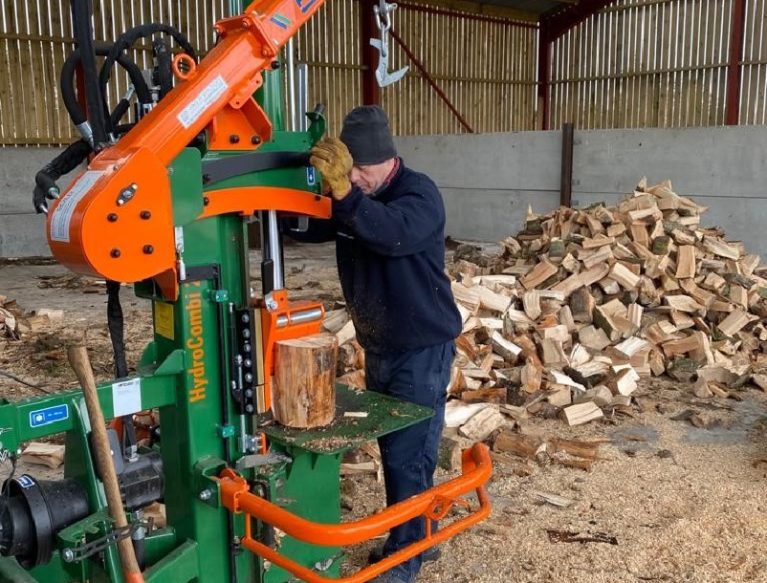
point(158, 544)
point(12, 572)
point(298, 178)
point(309, 487)
point(189, 427)
point(25, 420)
point(178, 566)
point(269, 97)
point(185, 173)
point(79, 465)
point(384, 415)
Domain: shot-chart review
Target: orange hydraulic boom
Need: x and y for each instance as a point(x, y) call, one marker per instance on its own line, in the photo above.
point(216, 93)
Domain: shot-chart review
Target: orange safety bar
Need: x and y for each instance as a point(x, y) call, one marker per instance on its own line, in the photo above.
point(433, 504)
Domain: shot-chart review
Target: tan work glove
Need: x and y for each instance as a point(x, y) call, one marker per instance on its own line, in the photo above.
point(332, 159)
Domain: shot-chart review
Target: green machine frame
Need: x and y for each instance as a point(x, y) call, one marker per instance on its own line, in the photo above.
point(238, 489)
point(183, 373)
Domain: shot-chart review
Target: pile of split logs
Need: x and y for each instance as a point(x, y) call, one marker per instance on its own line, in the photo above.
point(566, 317)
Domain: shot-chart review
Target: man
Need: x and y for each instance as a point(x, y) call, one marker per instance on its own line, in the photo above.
point(388, 222)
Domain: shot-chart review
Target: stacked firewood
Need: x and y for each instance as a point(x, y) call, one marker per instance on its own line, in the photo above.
point(567, 317)
point(583, 303)
point(351, 357)
point(9, 318)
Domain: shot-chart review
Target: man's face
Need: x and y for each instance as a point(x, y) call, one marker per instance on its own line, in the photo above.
point(370, 178)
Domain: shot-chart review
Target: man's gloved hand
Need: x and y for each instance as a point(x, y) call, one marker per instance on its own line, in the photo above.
point(334, 163)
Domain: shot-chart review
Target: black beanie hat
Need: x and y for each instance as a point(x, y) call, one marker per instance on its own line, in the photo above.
point(367, 134)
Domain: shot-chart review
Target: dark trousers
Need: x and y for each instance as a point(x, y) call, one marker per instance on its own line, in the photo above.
point(409, 456)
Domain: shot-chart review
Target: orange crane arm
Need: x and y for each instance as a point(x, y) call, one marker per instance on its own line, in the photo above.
point(116, 219)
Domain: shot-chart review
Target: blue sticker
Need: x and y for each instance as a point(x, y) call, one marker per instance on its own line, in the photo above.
point(280, 20)
point(305, 7)
point(49, 415)
point(311, 176)
point(25, 481)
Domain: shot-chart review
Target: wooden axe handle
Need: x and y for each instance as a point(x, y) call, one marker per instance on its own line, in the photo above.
point(78, 359)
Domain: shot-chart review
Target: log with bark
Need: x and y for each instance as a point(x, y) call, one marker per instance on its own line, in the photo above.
point(303, 391)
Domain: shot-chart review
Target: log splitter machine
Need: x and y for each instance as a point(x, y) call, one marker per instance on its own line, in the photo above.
point(164, 204)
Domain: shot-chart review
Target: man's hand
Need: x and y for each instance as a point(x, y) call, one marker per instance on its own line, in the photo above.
point(334, 163)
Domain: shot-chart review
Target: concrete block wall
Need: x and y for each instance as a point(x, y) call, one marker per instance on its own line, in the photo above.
point(22, 231)
point(489, 180)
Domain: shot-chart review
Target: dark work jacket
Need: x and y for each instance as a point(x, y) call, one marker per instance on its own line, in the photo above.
point(391, 259)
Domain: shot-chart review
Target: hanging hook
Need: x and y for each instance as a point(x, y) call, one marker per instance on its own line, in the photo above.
point(383, 11)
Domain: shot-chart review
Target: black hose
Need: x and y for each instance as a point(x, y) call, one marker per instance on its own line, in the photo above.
point(69, 95)
point(126, 40)
point(120, 110)
point(116, 328)
point(164, 62)
point(123, 128)
point(81, 15)
point(64, 163)
point(116, 325)
point(139, 547)
point(129, 441)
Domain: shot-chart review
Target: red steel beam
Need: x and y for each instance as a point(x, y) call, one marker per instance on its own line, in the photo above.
point(371, 95)
point(554, 24)
point(430, 81)
point(560, 20)
point(732, 110)
point(544, 77)
point(466, 15)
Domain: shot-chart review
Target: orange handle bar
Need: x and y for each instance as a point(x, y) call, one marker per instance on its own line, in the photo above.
point(433, 504)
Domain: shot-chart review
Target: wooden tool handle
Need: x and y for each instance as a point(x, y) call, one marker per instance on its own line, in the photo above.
point(78, 359)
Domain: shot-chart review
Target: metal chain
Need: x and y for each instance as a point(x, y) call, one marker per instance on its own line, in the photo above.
point(383, 12)
point(85, 550)
point(383, 15)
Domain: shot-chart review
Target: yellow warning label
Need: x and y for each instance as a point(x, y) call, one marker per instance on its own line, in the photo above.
point(163, 320)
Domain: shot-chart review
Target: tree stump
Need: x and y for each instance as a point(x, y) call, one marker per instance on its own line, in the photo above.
point(303, 391)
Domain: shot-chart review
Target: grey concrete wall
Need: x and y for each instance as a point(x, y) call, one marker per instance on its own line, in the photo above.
point(488, 180)
point(22, 231)
point(724, 169)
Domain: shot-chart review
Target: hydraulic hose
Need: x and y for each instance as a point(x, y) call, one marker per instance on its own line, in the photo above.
point(164, 65)
point(129, 37)
point(69, 95)
point(45, 179)
point(81, 13)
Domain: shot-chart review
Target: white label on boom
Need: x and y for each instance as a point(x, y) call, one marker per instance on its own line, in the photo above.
point(207, 97)
point(62, 214)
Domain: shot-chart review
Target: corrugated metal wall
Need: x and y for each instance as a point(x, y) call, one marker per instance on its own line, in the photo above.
point(36, 38)
point(638, 63)
point(753, 106)
point(658, 63)
point(330, 44)
point(486, 67)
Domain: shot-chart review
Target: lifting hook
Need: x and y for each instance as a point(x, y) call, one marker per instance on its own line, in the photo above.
point(383, 11)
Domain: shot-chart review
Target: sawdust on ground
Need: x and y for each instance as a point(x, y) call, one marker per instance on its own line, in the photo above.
point(683, 503)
